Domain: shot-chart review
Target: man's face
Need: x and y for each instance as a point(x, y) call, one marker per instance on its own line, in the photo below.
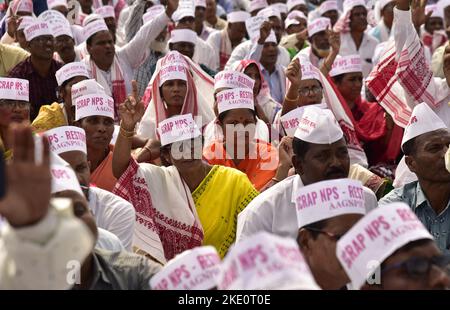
point(237, 31)
point(64, 45)
point(320, 42)
point(186, 23)
point(185, 48)
point(427, 160)
point(320, 252)
point(434, 24)
point(358, 19)
point(14, 111)
point(269, 54)
point(400, 279)
point(79, 163)
point(333, 15)
point(323, 162)
point(277, 27)
point(199, 14)
point(210, 8)
point(99, 131)
point(102, 47)
point(42, 47)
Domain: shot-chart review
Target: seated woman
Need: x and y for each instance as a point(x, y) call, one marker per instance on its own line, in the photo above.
point(188, 204)
point(94, 113)
point(14, 108)
point(170, 92)
point(373, 125)
point(239, 149)
point(229, 79)
point(63, 113)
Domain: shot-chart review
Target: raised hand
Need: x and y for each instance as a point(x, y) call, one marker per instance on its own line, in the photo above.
point(334, 39)
point(418, 13)
point(264, 32)
point(132, 110)
point(28, 182)
point(13, 22)
point(285, 151)
point(294, 72)
point(172, 6)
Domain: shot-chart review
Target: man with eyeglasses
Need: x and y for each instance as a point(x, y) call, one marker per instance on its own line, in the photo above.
point(325, 211)
point(320, 153)
point(390, 249)
point(40, 67)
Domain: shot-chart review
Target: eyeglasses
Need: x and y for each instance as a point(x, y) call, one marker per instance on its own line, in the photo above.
point(314, 90)
point(420, 266)
point(14, 104)
point(336, 237)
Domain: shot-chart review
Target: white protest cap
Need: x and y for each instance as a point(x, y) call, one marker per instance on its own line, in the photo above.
point(309, 71)
point(54, 3)
point(173, 71)
point(178, 128)
point(269, 12)
point(257, 4)
point(291, 21)
point(21, 6)
point(236, 98)
point(293, 3)
point(327, 199)
point(52, 16)
point(94, 27)
point(318, 126)
point(436, 12)
point(196, 269)
point(61, 28)
point(375, 237)
point(272, 38)
point(423, 119)
point(71, 70)
point(238, 17)
point(183, 35)
point(36, 29)
point(67, 138)
point(265, 261)
point(346, 64)
point(281, 7)
point(186, 8)
point(86, 87)
point(329, 5)
point(152, 12)
point(318, 25)
point(442, 4)
point(383, 3)
point(94, 104)
point(25, 22)
point(447, 159)
point(90, 18)
point(14, 89)
point(350, 4)
point(106, 11)
point(291, 120)
point(200, 3)
point(64, 179)
point(232, 79)
point(297, 14)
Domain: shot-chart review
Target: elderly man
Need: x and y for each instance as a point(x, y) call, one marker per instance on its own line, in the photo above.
point(425, 142)
point(223, 42)
point(40, 68)
point(320, 153)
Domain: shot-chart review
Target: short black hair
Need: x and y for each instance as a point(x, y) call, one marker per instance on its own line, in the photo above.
point(320, 225)
point(300, 147)
point(409, 148)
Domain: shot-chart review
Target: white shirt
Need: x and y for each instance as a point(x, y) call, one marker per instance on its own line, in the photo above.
point(132, 54)
point(204, 54)
point(108, 241)
point(121, 37)
point(113, 214)
point(43, 256)
point(245, 49)
point(366, 50)
point(206, 32)
point(273, 210)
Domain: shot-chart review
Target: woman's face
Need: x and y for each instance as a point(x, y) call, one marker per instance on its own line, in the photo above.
point(350, 86)
point(173, 92)
point(99, 131)
point(238, 126)
point(13, 111)
point(310, 92)
point(253, 72)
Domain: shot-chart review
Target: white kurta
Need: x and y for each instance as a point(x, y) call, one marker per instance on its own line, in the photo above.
point(113, 214)
point(243, 51)
point(366, 50)
point(121, 37)
point(204, 55)
point(132, 54)
point(273, 210)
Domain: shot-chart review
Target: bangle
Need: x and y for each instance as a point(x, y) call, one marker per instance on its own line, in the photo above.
point(286, 98)
point(126, 131)
point(126, 134)
point(275, 180)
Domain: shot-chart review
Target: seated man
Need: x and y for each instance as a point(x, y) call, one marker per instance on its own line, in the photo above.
point(390, 249)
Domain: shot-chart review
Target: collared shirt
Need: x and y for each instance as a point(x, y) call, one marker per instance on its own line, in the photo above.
point(276, 83)
point(121, 271)
point(206, 31)
point(437, 224)
point(42, 89)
